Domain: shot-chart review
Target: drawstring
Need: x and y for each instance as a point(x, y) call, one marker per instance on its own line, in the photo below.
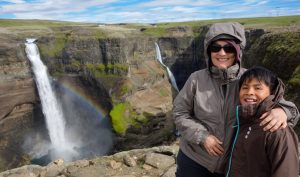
point(235, 139)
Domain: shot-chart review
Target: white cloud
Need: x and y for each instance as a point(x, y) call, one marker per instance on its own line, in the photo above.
point(15, 1)
point(184, 9)
point(251, 1)
point(149, 11)
point(262, 2)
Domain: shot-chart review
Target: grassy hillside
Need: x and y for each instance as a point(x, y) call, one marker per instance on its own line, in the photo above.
point(45, 23)
point(22, 28)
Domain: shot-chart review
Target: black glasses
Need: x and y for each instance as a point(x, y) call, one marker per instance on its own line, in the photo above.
point(227, 48)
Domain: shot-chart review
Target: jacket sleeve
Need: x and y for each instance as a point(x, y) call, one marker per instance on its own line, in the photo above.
point(188, 126)
point(291, 111)
point(282, 151)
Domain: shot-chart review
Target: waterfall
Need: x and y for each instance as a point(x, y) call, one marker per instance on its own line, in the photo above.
point(52, 111)
point(170, 74)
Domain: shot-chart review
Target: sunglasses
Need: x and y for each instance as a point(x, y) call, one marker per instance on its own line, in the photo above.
point(227, 48)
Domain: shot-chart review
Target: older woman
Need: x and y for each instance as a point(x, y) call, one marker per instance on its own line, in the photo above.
point(204, 109)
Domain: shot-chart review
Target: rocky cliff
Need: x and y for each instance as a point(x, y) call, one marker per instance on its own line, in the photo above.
point(116, 69)
point(17, 102)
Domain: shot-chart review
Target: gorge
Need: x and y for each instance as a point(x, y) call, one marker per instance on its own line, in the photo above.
point(113, 90)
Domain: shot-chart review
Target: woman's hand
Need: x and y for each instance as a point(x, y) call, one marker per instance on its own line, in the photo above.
point(274, 120)
point(213, 146)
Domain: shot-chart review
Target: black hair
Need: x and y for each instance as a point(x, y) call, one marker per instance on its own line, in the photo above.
point(261, 74)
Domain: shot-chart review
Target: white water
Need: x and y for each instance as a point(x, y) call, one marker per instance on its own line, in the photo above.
point(61, 148)
point(170, 74)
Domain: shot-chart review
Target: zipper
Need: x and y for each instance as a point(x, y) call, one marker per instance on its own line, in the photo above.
point(224, 97)
point(227, 172)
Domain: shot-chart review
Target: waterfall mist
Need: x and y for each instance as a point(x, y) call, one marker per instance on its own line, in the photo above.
point(89, 128)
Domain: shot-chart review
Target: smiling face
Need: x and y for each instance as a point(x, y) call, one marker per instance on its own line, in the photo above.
point(222, 59)
point(253, 91)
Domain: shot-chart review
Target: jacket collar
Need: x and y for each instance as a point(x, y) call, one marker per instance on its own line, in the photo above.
point(228, 74)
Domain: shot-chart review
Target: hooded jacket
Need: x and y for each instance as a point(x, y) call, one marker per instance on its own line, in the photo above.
point(264, 154)
point(205, 105)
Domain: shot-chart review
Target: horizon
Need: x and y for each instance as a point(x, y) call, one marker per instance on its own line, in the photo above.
point(144, 11)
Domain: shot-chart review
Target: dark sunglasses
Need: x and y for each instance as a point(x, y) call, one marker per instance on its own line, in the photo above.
point(227, 48)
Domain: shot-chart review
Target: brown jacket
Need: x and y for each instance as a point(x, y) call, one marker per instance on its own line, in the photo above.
point(264, 154)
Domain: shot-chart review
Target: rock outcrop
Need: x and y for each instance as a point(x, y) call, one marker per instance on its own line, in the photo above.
point(152, 162)
point(17, 102)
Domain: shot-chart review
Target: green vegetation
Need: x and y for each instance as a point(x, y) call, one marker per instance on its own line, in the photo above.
point(161, 29)
point(124, 89)
point(155, 31)
point(75, 64)
point(99, 34)
point(293, 86)
point(102, 70)
point(49, 23)
point(118, 118)
point(285, 47)
point(54, 48)
point(273, 21)
point(46, 27)
point(163, 92)
point(294, 82)
point(122, 116)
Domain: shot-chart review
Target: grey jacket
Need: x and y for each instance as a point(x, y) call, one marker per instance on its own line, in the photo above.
point(205, 105)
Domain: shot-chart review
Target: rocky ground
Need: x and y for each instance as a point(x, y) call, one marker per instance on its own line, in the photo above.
point(152, 162)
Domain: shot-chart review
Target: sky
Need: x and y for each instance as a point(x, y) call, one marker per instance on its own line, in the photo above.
point(144, 11)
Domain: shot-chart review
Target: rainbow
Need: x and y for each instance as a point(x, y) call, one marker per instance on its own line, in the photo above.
point(86, 100)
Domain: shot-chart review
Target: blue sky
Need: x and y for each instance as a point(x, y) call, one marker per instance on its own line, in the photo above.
point(144, 11)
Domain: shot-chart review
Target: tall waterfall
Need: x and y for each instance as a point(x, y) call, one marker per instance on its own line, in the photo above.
point(61, 148)
point(170, 74)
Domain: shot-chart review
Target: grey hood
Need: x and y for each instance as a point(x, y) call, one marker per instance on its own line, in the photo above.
point(233, 29)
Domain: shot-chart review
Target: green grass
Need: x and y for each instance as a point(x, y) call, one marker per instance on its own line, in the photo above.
point(123, 116)
point(55, 48)
point(155, 31)
point(118, 118)
point(277, 21)
point(160, 29)
point(274, 21)
point(48, 23)
point(45, 27)
point(102, 70)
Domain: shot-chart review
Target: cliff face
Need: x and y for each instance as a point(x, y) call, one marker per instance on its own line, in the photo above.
point(278, 51)
point(122, 76)
point(17, 101)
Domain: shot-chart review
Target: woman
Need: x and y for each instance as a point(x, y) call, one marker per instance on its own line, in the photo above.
point(204, 109)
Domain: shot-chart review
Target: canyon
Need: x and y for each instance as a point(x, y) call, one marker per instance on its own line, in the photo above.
point(114, 67)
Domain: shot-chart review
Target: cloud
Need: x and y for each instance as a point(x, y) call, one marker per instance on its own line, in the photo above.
point(184, 9)
point(144, 11)
point(15, 1)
